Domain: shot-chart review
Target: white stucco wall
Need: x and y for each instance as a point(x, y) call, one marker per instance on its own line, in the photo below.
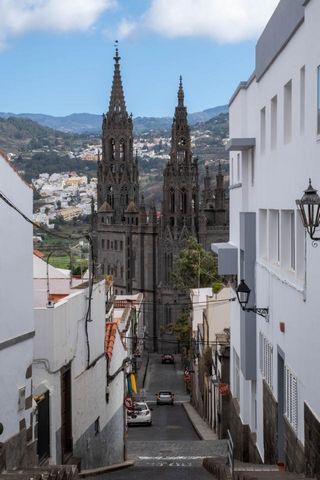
point(16, 317)
point(280, 176)
point(60, 339)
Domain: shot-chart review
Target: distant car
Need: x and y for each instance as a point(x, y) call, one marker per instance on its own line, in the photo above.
point(140, 415)
point(164, 397)
point(167, 358)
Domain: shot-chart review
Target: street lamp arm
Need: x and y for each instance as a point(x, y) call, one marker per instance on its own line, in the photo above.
point(263, 312)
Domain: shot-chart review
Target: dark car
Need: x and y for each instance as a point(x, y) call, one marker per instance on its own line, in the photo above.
point(167, 358)
point(164, 397)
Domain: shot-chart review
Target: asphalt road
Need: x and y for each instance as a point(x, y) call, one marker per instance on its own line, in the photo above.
point(168, 423)
point(170, 449)
point(165, 377)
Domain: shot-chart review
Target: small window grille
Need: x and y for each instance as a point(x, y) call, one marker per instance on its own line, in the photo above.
point(266, 359)
point(291, 402)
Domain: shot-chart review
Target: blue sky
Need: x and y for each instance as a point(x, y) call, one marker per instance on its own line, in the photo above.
point(56, 56)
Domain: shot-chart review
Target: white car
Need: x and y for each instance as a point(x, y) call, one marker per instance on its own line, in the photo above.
point(165, 397)
point(141, 415)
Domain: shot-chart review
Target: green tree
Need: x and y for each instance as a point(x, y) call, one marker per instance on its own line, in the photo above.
point(181, 329)
point(195, 267)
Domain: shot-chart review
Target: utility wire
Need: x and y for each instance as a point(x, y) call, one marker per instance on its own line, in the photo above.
point(40, 227)
point(65, 237)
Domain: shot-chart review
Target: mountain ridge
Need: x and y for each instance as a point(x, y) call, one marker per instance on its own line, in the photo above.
point(90, 123)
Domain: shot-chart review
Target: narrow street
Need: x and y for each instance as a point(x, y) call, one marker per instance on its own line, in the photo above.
point(170, 448)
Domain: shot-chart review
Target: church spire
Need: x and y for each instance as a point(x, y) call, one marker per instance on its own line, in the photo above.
point(180, 93)
point(117, 102)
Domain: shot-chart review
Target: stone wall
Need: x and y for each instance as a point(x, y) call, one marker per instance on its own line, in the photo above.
point(312, 443)
point(244, 441)
point(270, 426)
point(18, 453)
point(103, 448)
point(294, 451)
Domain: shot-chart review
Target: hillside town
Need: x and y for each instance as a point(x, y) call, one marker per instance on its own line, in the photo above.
point(187, 345)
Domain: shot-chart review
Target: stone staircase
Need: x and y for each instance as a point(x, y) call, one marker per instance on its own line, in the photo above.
point(49, 472)
point(246, 471)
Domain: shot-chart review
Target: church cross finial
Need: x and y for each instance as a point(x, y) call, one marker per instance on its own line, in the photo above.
point(116, 57)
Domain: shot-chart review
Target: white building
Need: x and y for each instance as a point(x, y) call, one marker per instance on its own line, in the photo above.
point(75, 415)
point(128, 313)
point(16, 323)
point(274, 149)
point(210, 320)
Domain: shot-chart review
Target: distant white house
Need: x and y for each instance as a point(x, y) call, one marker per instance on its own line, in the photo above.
point(16, 323)
point(210, 317)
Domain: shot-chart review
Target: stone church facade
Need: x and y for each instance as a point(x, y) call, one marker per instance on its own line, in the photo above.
point(131, 244)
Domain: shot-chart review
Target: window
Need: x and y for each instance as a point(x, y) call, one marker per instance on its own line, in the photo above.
point(291, 398)
point(236, 375)
point(103, 243)
point(287, 111)
point(238, 168)
point(263, 217)
point(266, 359)
point(121, 245)
point(172, 200)
point(183, 204)
point(300, 249)
point(318, 106)
point(108, 244)
point(274, 121)
point(274, 236)
point(302, 98)
point(262, 130)
point(288, 240)
point(252, 167)
point(121, 150)
point(116, 245)
point(112, 148)
point(231, 172)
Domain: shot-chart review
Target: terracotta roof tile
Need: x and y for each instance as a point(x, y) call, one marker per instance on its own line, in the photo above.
point(110, 338)
point(39, 254)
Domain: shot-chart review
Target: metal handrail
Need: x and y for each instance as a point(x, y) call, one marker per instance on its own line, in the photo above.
point(230, 454)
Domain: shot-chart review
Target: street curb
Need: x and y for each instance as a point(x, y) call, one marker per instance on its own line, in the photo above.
point(194, 426)
point(105, 469)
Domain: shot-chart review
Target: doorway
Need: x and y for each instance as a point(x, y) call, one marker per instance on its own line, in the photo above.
point(66, 414)
point(43, 442)
point(281, 407)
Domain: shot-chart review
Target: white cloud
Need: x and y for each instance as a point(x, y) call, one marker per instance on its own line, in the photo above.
point(126, 28)
point(20, 16)
point(225, 21)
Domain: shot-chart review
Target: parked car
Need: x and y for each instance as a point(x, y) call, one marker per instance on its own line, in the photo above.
point(165, 397)
point(140, 415)
point(167, 358)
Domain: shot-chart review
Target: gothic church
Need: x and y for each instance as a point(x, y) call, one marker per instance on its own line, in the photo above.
point(131, 244)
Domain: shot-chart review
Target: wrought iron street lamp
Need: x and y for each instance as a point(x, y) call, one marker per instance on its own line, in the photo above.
point(309, 209)
point(243, 294)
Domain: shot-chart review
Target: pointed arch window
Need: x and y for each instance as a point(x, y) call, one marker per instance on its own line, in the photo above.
point(113, 148)
point(122, 148)
point(183, 201)
point(194, 199)
point(172, 200)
